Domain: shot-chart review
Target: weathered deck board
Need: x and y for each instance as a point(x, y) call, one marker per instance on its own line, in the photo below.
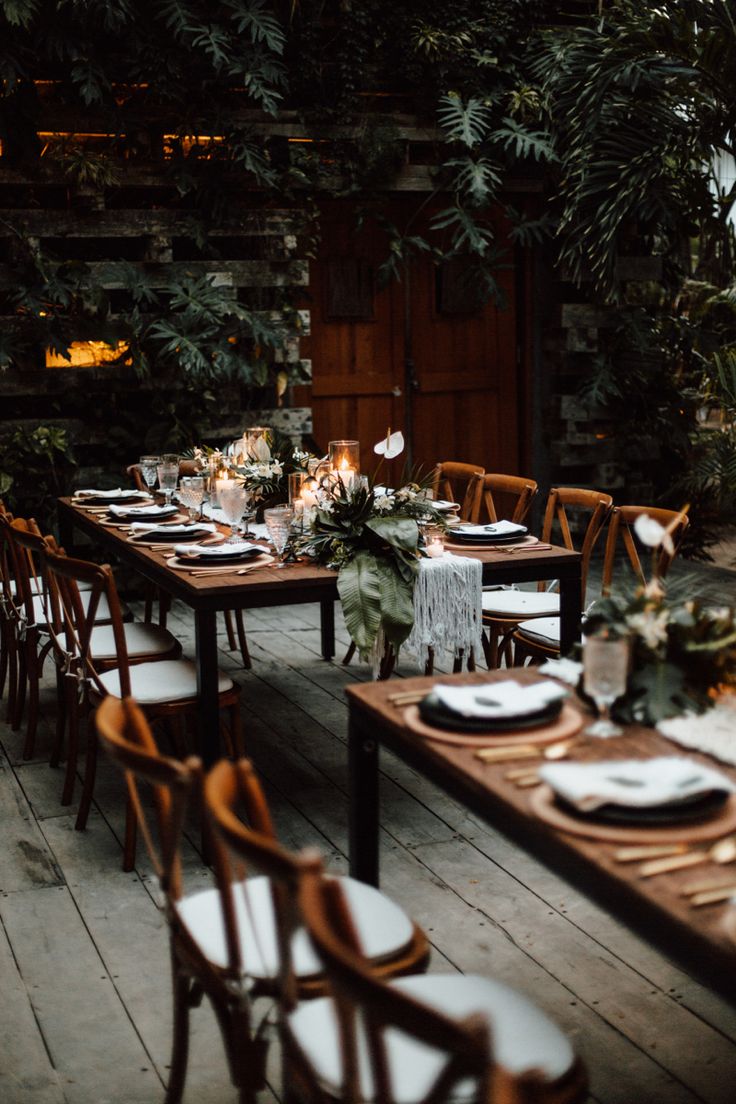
point(649, 1032)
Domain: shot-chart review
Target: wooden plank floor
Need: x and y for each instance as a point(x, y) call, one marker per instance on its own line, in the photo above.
point(85, 1003)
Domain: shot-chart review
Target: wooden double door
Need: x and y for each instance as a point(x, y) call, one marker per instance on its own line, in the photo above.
point(416, 354)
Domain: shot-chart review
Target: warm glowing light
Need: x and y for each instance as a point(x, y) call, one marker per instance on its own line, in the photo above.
point(86, 354)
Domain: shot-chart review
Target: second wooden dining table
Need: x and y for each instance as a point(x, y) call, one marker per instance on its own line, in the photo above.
point(295, 584)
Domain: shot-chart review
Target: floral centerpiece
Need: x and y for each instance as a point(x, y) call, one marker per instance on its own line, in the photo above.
point(683, 654)
point(266, 464)
point(371, 536)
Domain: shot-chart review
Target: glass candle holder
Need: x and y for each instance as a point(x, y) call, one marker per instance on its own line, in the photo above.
point(434, 541)
point(296, 482)
point(344, 461)
point(250, 436)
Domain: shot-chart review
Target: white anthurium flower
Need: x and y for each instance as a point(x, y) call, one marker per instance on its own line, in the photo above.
point(383, 504)
point(650, 626)
point(261, 450)
point(391, 445)
point(654, 535)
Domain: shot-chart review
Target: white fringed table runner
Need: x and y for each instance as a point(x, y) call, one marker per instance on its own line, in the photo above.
point(448, 612)
point(713, 732)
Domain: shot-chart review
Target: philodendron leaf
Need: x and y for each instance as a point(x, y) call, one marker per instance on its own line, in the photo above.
point(400, 532)
point(657, 691)
point(360, 596)
point(397, 602)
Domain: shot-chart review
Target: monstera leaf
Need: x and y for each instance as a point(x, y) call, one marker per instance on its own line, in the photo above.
point(655, 692)
point(360, 595)
point(400, 532)
point(397, 602)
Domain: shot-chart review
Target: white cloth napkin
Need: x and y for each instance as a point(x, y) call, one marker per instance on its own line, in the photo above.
point(182, 530)
point(215, 550)
point(112, 495)
point(499, 699)
point(567, 670)
point(496, 529)
point(633, 783)
point(143, 511)
point(713, 732)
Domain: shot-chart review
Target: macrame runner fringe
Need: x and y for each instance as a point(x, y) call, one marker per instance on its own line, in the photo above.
point(713, 732)
point(447, 607)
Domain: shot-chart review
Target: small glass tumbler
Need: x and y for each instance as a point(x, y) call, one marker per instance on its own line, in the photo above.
point(232, 503)
point(278, 522)
point(168, 477)
point(191, 495)
point(149, 470)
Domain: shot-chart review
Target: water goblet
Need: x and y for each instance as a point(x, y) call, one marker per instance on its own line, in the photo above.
point(278, 523)
point(168, 477)
point(191, 495)
point(605, 669)
point(149, 470)
point(249, 511)
point(232, 503)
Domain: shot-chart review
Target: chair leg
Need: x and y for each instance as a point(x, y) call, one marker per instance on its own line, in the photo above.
point(20, 689)
point(90, 771)
point(72, 743)
point(164, 605)
point(429, 665)
point(234, 733)
point(61, 704)
point(180, 1045)
point(242, 639)
point(229, 629)
point(34, 675)
point(349, 654)
point(4, 648)
point(12, 678)
point(148, 608)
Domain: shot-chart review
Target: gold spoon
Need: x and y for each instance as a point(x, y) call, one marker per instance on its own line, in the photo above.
point(722, 851)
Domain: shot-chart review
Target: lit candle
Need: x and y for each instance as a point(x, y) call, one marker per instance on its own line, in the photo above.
point(434, 544)
point(308, 495)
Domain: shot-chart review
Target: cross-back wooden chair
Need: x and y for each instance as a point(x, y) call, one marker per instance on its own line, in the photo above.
point(504, 610)
point(538, 640)
point(454, 482)
point(621, 535)
point(234, 619)
point(420, 1039)
point(164, 684)
point(501, 496)
point(8, 616)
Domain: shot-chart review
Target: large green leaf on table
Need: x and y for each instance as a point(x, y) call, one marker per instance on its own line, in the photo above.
point(360, 596)
point(655, 691)
point(401, 532)
point(397, 602)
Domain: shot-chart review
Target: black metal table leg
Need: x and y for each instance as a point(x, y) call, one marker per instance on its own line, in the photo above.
point(205, 623)
point(327, 625)
point(571, 609)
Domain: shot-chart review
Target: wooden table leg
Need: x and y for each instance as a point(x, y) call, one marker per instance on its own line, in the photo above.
point(363, 802)
point(571, 610)
point(205, 625)
point(327, 625)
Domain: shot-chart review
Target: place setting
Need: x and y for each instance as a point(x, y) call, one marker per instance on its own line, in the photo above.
point(225, 558)
point(501, 714)
point(147, 535)
point(495, 536)
point(99, 501)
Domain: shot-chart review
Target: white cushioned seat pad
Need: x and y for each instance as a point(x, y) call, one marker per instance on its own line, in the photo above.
point(37, 585)
point(163, 681)
point(520, 603)
point(383, 926)
point(103, 609)
point(523, 1037)
point(545, 629)
point(141, 638)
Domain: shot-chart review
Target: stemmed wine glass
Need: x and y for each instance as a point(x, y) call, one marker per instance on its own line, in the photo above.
point(168, 476)
point(232, 504)
point(278, 523)
point(605, 669)
point(149, 470)
point(191, 495)
point(249, 512)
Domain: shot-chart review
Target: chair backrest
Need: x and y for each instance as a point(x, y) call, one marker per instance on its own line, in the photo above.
point(186, 467)
point(73, 618)
point(562, 504)
point(621, 531)
point(497, 496)
point(454, 482)
point(357, 989)
point(232, 792)
point(126, 736)
point(23, 554)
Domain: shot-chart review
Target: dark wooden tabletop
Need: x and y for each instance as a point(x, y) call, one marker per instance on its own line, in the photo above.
point(704, 937)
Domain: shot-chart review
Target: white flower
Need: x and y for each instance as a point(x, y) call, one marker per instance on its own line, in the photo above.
point(277, 467)
point(650, 626)
point(391, 445)
point(654, 535)
point(406, 494)
point(382, 504)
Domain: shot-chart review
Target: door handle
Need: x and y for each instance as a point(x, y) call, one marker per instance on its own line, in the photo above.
point(396, 392)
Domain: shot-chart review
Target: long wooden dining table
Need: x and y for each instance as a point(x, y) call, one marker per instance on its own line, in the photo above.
point(703, 939)
point(294, 584)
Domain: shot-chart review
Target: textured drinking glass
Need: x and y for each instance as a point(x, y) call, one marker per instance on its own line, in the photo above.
point(149, 466)
point(191, 495)
point(605, 668)
point(278, 523)
point(232, 504)
point(168, 477)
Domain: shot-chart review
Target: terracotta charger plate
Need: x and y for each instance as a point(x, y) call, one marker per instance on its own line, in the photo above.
point(568, 723)
point(198, 565)
point(543, 803)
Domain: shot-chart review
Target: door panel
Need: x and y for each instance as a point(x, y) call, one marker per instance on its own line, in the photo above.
point(465, 393)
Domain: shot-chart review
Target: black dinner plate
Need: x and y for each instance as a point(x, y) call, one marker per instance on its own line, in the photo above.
point(487, 538)
point(682, 811)
point(128, 515)
point(114, 500)
point(437, 715)
point(222, 557)
point(160, 535)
